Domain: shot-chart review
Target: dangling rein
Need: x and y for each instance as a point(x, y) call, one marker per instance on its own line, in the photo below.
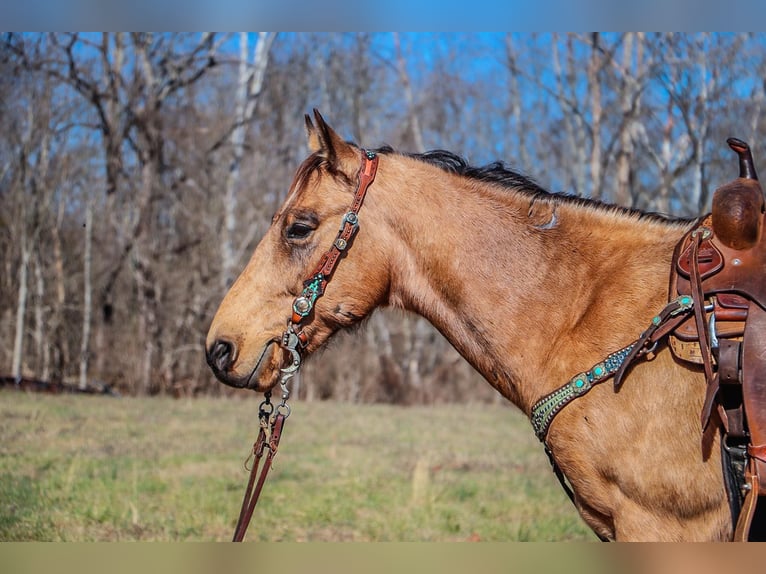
point(294, 340)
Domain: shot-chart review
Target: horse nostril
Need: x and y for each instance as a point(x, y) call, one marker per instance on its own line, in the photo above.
point(221, 355)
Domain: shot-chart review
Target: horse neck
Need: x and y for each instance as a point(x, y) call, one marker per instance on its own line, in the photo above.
point(527, 299)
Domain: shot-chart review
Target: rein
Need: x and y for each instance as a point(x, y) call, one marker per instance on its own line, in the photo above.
point(294, 340)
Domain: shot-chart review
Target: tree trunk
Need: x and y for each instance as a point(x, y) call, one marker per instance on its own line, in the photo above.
point(572, 121)
point(147, 290)
point(249, 87)
point(404, 78)
point(87, 288)
point(60, 345)
point(594, 84)
point(21, 308)
point(515, 107)
point(707, 81)
point(42, 348)
point(623, 194)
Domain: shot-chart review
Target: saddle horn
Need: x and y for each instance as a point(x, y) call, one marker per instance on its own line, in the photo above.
point(738, 206)
point(746, 165)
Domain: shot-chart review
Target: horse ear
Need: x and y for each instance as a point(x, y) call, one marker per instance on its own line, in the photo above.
point(311, 133)
point(324, 140)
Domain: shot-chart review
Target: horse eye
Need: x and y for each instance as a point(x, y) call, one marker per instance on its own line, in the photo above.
point(298, 231)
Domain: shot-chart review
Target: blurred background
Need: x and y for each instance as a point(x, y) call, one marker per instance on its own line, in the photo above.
point(138, 172)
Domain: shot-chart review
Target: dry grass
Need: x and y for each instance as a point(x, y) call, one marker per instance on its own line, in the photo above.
point(102, 469)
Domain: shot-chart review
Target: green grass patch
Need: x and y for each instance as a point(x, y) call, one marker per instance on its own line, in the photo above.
point(102, 469)
point(22, 512)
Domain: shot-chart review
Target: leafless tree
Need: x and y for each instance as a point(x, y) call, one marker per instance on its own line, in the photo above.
point(138, 171)
point(249, 86)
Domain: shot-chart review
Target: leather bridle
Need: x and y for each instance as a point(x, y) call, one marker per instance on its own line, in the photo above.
point(295, 340)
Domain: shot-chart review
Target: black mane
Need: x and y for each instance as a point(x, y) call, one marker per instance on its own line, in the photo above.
point(496, 172)
point(499, 173)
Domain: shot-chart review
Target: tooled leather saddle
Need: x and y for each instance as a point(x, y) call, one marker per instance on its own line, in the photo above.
point(722, 262)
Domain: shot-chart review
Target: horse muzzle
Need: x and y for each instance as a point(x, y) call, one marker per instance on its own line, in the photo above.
point(223, 354)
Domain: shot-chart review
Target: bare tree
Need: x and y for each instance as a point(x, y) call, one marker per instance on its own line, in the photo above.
point(630, 89)
point(33, 156)
point(137, 171)
point(520, 128)
point(249, 87)
point(409, 97)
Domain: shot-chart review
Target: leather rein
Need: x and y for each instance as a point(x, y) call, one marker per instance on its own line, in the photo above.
point(294, 340)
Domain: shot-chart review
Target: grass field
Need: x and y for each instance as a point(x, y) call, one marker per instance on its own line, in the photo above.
point(82, 468)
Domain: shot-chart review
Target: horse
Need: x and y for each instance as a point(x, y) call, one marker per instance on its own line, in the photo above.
point(529, 286)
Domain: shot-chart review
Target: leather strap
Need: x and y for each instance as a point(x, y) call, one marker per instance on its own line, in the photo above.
point(695, 282)
point(729, 363)
point(349, 225)
point(316, 282)
point(672, 315)
point(742, 531)
point(253, 489)
point(754, 387)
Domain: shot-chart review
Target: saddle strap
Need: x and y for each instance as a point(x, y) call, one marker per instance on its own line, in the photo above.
point(754, 401)
point(745, 520)
point(754, 385)
point(695, 281)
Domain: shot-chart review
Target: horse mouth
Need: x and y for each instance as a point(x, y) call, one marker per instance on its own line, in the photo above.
point(261, 366)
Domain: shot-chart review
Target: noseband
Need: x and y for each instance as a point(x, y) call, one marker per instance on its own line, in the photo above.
point(295, 340)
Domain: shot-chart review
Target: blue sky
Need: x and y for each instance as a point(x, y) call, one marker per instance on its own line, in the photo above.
point(404, 15)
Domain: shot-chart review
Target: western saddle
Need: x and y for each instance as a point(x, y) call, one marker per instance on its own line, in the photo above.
point(722, 262)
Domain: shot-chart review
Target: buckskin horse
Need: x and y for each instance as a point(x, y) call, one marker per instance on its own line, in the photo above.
point(529, 286)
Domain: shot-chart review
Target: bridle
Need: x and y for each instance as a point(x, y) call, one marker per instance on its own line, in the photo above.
point(295, 340)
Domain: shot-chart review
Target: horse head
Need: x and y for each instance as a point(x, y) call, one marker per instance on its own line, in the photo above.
point(245, 342)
